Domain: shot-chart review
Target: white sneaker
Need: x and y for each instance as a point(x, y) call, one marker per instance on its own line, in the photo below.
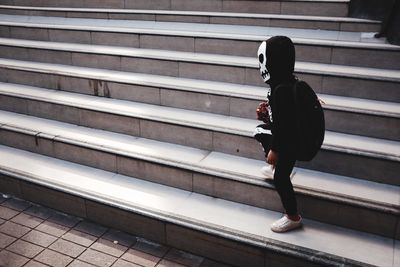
point(268, 171)
point(285, 224)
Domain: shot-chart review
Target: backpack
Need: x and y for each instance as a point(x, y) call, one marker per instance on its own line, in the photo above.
point(310, 121)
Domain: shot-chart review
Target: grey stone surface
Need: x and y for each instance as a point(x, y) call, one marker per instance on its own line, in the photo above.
point(127, 221)
point(78, 263)
point(204, 5)
point(195, 101)
point(361, 88)
point(143, 4)
point(184, 258)
point(236, 191)
point(13, 229)
point(268, 7)
point(16, 204)
point(10, 186)
point(40, 211)
point(366, 58)
point(52, 228)
point(29, 33)
point(310, 8)
point(90, 228)
point(177, 18)
point(70, 36)
point(120, 237)
point(96, 61)
point(150, 247)
point(92, 15)
point(25, 249)
point(212, 72)
point(168, 263)
point(85, 156)
point(10, 52)
point(213, 247)
point(97, 258)
point(140, 258)
point(237, 145)
point(76, 85)
point(33, 263)
point(32, 79)
point(117, 39)
point(68, 248)
point(53, 258)
point(51, 198)
point(176, 134)
point(11, 259)
point(80, 238)
point(7, 213)
point(176, 43)
point(14, 104)
point(240, 21)
point(27, 220)
point(39, 238)
point(49, 56)
point(4, 31)
point(18, 140)
point(305, 24)
point(360, 27)
point(6, 240)
point(362, 124)
point(138, 93)
point(126, 16)
point(226, 47)
point(64, 220)
point(109, 122)
point(150, 66)
point(109, 248)
point(311, 53)
point(155, 172)
point(244, 108)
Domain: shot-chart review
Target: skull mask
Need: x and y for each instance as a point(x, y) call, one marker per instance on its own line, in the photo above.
point(262, 61)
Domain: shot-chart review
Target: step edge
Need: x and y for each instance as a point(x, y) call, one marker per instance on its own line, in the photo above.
point(342, 198)
point(334, 147)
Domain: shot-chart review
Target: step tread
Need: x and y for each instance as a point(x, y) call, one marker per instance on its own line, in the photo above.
point(194, 210)
point(241, 32)
point(215, 163)
point(195, 13)
point(367, 106)
point(241, 126)
point(226, 60)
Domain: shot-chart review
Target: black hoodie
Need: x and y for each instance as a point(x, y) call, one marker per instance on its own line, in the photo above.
point(280, 65)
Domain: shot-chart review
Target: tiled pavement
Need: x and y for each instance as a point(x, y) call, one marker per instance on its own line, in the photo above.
point(34, 236)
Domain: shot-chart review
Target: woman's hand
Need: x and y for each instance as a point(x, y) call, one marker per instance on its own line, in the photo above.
point(272, 158)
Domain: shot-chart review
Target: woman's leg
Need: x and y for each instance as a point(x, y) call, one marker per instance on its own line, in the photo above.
point(284, 186)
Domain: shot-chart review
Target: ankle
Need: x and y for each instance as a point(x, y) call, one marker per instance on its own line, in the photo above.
point(295, 217)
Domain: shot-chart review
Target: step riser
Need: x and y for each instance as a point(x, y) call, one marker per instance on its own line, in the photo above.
point(245, 6)
point(265, 22)
point(334, 85)
point(373, 221)
point(373, 169)
point(159, 231)
point(336, 120)
point(321, 54)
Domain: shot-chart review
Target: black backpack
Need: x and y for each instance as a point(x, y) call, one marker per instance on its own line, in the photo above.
point(310, 121)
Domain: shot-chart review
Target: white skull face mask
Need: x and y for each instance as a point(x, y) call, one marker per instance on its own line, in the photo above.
point(262, 61)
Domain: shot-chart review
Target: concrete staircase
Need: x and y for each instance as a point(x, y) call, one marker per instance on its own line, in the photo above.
point(139, 115)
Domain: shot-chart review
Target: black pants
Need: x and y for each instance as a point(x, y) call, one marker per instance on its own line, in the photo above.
point(283, 169)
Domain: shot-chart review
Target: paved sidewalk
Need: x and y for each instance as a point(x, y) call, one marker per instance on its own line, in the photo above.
point(34, 236)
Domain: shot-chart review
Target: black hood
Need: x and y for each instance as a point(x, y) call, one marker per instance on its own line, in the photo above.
point(280, 59)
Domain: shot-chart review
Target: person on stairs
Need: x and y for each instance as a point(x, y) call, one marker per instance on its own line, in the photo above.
point(276, 61)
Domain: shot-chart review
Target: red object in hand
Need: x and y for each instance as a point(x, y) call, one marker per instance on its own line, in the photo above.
point(262, 112)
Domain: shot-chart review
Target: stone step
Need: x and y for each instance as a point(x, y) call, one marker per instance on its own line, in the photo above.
point(338, 8)
point(230, 232)
point(375, 205)
point(212, 17)
point(350, 155)
point(342, 114)
point(324, 78)
point(332, 47)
